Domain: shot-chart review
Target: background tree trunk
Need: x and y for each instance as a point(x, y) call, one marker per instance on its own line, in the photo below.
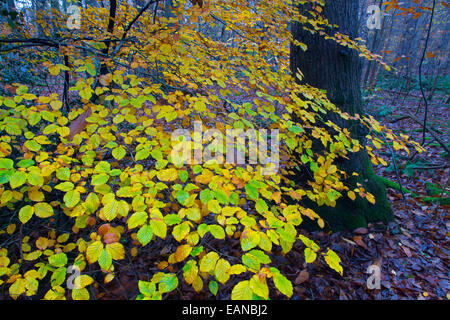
point(336, 69)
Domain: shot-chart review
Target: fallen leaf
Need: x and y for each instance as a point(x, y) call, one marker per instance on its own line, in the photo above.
point(361, 231)
point(303, 276)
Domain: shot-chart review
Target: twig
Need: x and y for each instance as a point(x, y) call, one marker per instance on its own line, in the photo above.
point(395, 165)
point(435, 136)
point(420, 73)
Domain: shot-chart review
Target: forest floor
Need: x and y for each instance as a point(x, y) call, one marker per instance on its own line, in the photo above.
point(412, 252)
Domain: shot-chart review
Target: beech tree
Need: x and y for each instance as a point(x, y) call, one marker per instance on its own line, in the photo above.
point(336, 69)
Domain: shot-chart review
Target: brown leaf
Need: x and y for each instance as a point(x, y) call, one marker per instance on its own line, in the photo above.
point(110, 238)
point(361, 231)
point(103, 229)
point(407, 251)
point(359, 241)
point(303, 276)
point(79, 124)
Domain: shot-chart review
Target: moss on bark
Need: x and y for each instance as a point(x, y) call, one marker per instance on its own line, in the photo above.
point(351, 214)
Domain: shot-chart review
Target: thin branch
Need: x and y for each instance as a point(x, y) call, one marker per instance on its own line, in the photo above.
point(145, 7)
point(395, 166)
point(435, 136)
point(420, 73)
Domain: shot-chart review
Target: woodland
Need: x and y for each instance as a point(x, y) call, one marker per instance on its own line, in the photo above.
point(224, 150)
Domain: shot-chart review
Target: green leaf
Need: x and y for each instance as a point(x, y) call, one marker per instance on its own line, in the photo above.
point(260, 255)
point(65, 186)
point(142, 154)
point(58, 277)
point(261, 206)
point(35, 178)
point(159, 228)
point(213, 287)
point(183, 175)
point(43, 210)
point(26, 213)
point(102, 167)
point(206, 196)
point(105, 259)
point(71, 198)
point(147, 288)
point(145, 234)
point(99, 179)
point(58, 260)
point(221, 196)
point(172, 219)
point(182, 196)
point(32, 145)
point(296, 129)
point(18, 179)
point(6, 163)
point(283, 284)
point(137, 219)
point(217, 231)
point(168, 283)
point(25, 163)
point(252, 191)
point(5, 176)
point(310, 255)
point(63, 174)
point(242, 291)
point(156, 154)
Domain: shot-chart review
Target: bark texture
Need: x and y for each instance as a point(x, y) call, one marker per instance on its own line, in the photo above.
point(337, 69)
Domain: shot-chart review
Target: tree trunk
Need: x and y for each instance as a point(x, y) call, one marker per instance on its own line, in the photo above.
point(377, 34)
point(337, 69)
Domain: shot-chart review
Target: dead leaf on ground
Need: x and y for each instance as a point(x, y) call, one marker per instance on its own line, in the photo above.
point(303, 276)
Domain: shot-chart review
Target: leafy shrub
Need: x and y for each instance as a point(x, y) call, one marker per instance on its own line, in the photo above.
point(114, 194)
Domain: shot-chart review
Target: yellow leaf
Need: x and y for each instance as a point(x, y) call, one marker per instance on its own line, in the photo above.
point(93, 251)
point(208, 262)
point(190, 272)
point(310, 255)
point(11, 228)
point(110, 210)
point(43, 210)
point(80, 294)
point(370, 198)
point(165, 48)
point(198, 284)
point(54, 70)
point(237, 269)
point(351, 195)
point(116, 250)
point(259, 286)
point(168, 174)
point(83, 281)
point(221, 271)
point(242, 291)
point(182, 252)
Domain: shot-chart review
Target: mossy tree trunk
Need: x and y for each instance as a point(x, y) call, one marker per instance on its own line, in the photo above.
point(337, 69)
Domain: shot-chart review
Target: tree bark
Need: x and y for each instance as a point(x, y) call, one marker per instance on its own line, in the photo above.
point(337, 69)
